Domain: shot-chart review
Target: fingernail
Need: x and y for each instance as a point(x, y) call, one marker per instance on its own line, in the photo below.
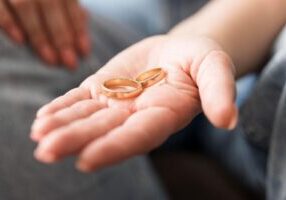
point(39, 115)
point(42, 112)
point(47, 53)
point(234, 120)
point(69, 58)
point(35, 130)
point(45, 156)
point(84, 45)
point(16, 34)
point(34, 137)
point(83, 166)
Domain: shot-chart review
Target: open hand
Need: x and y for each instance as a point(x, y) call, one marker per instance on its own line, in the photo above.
point(104, 131)
point(56, 29)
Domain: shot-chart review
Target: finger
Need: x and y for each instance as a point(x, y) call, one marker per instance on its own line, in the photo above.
point(78, 21)
point(61, 33)
point(216, 83)
point(27, 13)
point(143, 131)
point(8, 23)
point(73, 96)
point(79, 110)
point(79, 134)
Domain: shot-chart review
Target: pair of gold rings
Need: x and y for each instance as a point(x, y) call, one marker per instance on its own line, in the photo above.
point(124, 88)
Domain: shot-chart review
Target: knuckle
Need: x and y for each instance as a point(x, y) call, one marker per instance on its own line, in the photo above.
point(83, 107)
point(219, 56)
point(43, 124)
point(222, 58)
point(50, 121)
point(38, 38)
point(63, 134)
point(65, 41)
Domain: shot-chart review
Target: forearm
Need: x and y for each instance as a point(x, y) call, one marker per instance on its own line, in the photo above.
point(244, 28)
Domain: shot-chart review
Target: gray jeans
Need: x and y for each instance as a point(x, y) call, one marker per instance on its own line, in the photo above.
point(25, 85)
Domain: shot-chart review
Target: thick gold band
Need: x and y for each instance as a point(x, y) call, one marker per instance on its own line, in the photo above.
point(121, 88)
point(151, 77)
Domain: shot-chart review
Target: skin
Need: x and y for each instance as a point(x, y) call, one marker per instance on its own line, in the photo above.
point(56, 41)
point(199, 63)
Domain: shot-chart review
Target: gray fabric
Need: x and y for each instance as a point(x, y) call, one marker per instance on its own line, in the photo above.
point(258, 113)
point(277, 156)
point(181, 9)
point(26, 84)
point(263, 120)
point(242, 159)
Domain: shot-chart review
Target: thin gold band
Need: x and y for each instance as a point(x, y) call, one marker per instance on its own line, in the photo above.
point(151, 77)
point(109, 88)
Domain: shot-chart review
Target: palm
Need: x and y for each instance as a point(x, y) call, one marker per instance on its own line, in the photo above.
point(93, 124)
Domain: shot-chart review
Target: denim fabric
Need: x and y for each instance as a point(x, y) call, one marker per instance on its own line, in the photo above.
point(26, 84)
point(277, 156)
point(259, 112)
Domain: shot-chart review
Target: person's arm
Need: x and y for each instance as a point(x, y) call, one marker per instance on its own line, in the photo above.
point(245, 29)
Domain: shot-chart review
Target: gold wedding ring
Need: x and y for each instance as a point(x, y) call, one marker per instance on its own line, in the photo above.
point(151, 77)
point(121, 88)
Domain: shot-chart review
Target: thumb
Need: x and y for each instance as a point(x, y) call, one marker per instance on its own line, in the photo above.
point(216, 83)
